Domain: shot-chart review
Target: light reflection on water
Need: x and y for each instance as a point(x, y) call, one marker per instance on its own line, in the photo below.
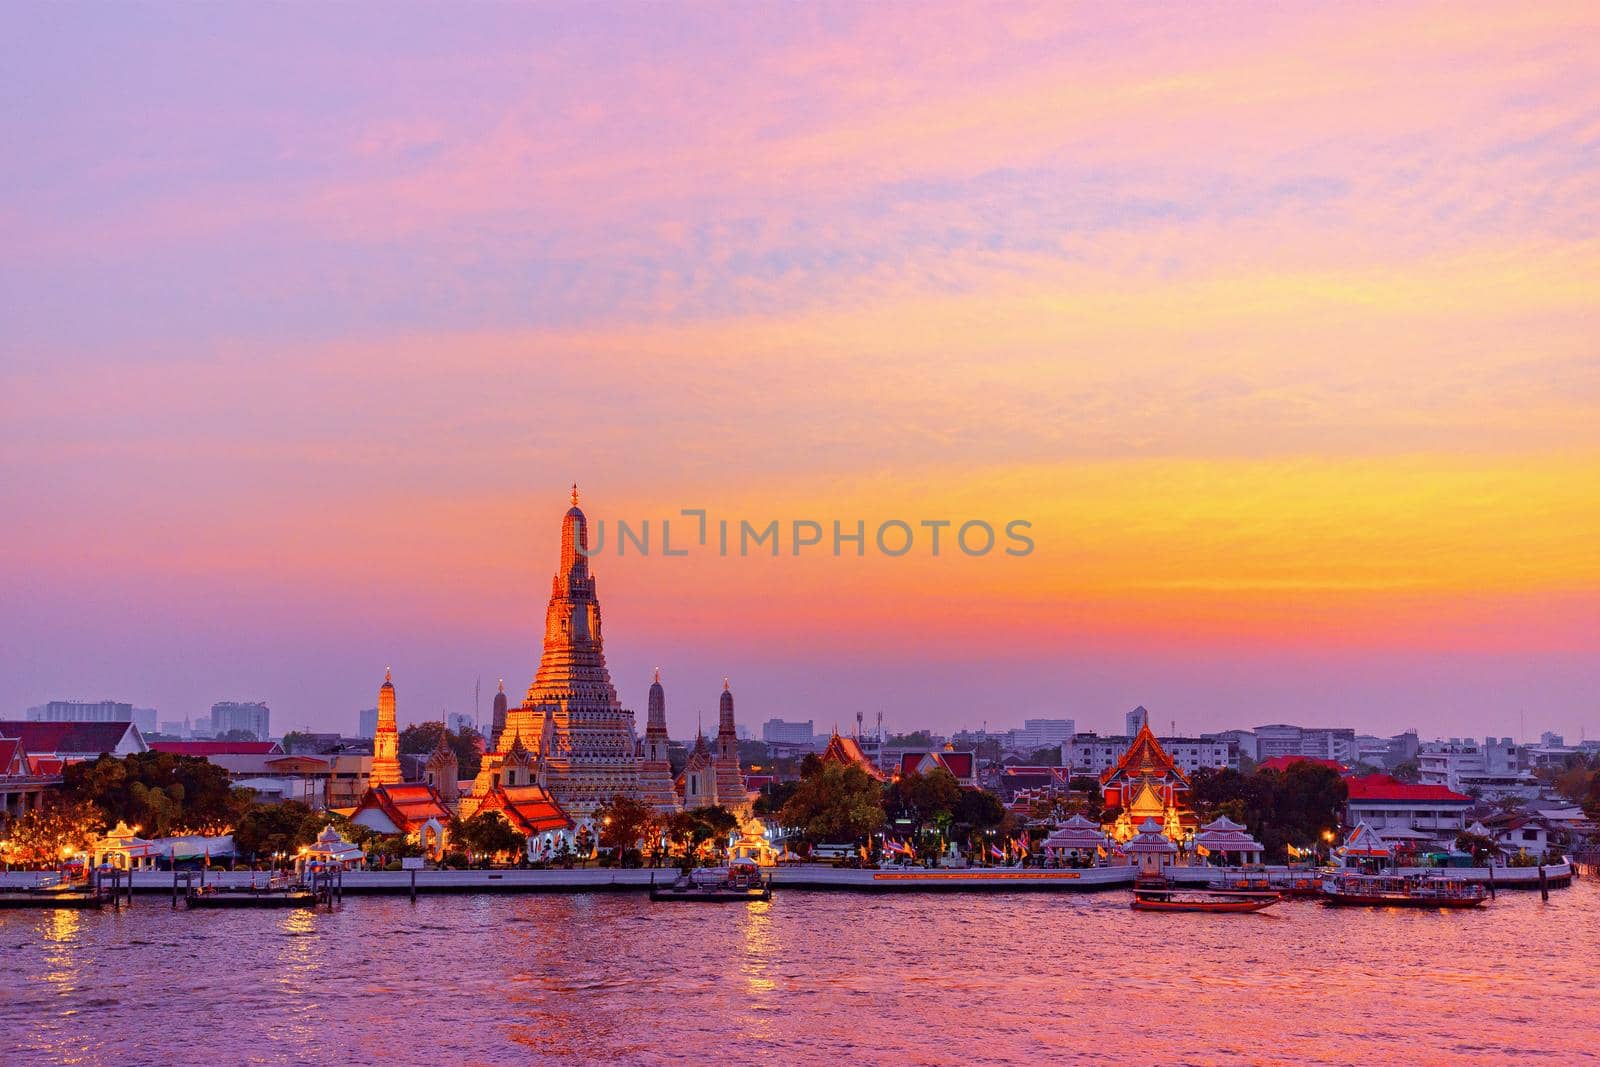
point(806, 978)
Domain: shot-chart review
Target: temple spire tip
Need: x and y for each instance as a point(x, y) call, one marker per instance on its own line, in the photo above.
point(574, 494)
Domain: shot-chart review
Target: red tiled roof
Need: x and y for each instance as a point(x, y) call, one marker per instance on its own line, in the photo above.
point(957, 763)
point(45, 765)
point(1386, 787)
point(845, 750)
point(12, 759)
point(407, 806)
point(1283, 763)
point(1145, 758)
point(218, 748)
point(67, 737)
point(528, 808)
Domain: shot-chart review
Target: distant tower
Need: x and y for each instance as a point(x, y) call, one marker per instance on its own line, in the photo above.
point(860, 717)
point(730, 780)
point(1135, 720)
point(655, 766)
point(497, 725)
point(386, 741)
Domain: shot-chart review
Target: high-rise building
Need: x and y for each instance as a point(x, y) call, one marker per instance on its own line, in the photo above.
point(367, 723)
point(460, 720)
point(82, 711)
point(655, 766)
point(1134, 721)
point(777, 731)
point(386, 737)
point(589, 748)
point(1040, 733)
point(254, 717)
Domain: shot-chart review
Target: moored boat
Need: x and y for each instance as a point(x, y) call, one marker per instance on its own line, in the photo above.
point(1219, 901)
point(738, 881)
point(279, 896)
point(1402, 891)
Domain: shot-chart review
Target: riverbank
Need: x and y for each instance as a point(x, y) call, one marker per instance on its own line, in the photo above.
point(892, 880)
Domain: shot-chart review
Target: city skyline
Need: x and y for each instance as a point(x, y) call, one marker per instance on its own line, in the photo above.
point(1278, 331)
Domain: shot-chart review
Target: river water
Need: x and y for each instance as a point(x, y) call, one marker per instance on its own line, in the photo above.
point(810, 977)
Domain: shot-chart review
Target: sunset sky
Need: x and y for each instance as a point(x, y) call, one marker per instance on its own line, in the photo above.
point(1278, 323)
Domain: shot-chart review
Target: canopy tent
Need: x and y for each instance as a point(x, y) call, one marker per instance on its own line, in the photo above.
point(195, 846)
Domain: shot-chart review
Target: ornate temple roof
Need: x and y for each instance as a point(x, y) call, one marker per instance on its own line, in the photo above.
point(1145, 758)
point(1150, 838)
point(847, 751)
point(408, 806)
point(530, 809)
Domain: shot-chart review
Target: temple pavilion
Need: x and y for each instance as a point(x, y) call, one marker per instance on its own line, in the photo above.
point(1151, 850)
point(414, 810)
point(1077, 839)
point(1226, 842)
point(1146, 785)
point(121, 846)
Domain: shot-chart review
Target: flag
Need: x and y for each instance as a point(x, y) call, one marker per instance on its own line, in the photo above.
point(863, 851)
point(994, 850)
point(1203, 850)
point(1102, 850)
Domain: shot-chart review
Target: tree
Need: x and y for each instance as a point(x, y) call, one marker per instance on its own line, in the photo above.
point(752, 752)
point(50, 834)
point(918, 739)
point(924, 799)
point(421, 738)
point(1482, 848)
point(238, 735)
point(159, 791)
point(774, 796)
point(625, 823)
point(836, 803)
point(1045, 757)
point(488, 833)
point(1407, 771)
point(693, 828)
point(271, 828)
point(1293, 807)
point(978, 809)
point(293, 740)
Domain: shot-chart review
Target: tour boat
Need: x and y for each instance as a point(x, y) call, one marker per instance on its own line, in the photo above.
point(1221, 901)
point(740, 880)
point(1402, 891)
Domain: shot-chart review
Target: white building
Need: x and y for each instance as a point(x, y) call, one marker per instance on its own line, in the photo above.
point(254, 717)
point(1396, 809)
point(1135, 720)
point(96, 711)
point(367, 723)
point(1336, 743)
point(1490, 770)
point(788, 733)
point(1040, 733)
point(1090, 753)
